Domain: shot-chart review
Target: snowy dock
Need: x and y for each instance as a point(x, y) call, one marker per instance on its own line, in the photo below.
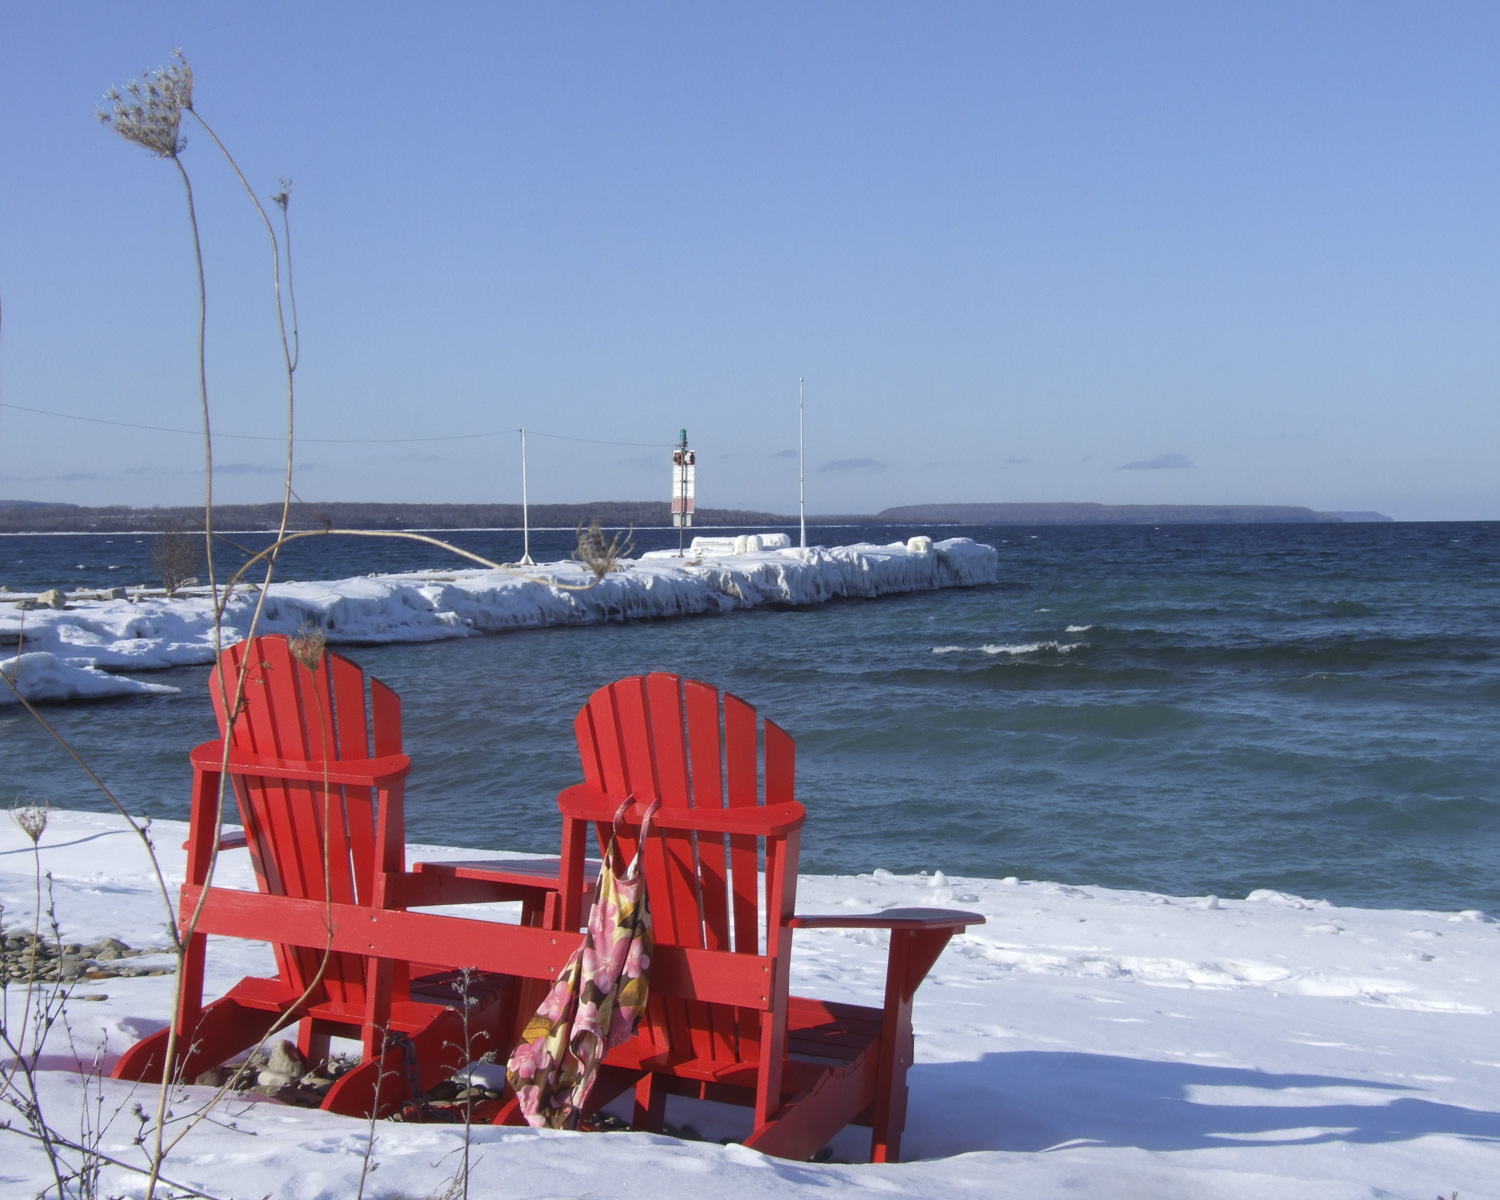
point(88, 648)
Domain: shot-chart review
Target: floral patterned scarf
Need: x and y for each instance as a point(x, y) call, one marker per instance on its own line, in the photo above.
point(597, 1000)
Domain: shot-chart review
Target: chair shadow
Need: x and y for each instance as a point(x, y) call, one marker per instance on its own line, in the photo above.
point(1033, 1100)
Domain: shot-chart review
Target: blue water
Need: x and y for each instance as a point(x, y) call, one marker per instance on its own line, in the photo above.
point(1185, 709)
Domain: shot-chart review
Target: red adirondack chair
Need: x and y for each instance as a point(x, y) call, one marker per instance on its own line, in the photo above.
point(322, 807)
point(726, 1027)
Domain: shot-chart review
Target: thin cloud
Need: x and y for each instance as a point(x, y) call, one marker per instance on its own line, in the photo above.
point(70, 477)
point(854, 464)
point(157, 472)
point(785, 454)
point(244, 468)
point(1162, 462)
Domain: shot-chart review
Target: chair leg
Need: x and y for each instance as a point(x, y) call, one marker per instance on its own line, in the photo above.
point(379, 981)
point(191, 1007)
point(221, 1031)
point(911, 956)
point(609, 1083)
point(312, 1041)
point(891, 1094)
point(650, 1105)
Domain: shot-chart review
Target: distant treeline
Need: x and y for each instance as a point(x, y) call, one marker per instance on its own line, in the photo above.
point(31, 517)
point(1117, 514)
point(20, 516)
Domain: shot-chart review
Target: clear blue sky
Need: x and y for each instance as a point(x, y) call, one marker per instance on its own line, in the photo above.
point(1013, 248)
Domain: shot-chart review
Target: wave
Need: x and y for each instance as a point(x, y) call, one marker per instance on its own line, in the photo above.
point(1013, 648)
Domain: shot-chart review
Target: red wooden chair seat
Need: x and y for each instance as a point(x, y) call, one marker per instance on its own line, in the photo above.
point(721, 864)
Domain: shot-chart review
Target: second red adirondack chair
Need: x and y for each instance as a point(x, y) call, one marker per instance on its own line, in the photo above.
point(720, 864)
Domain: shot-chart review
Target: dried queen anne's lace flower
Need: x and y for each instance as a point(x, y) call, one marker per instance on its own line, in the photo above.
point(32, 818)
point(148, 111)
point(307, 646)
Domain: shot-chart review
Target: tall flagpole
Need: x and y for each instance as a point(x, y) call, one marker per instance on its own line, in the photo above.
point(525, 510)
point(801, 486)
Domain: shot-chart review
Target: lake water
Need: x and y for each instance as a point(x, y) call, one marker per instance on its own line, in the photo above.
point(1184, 709)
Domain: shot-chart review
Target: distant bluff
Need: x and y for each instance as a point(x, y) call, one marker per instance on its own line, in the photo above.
point(1118, 514)
point(29, 516)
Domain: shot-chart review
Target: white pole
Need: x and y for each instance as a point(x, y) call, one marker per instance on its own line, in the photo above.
point(801, 486)
point(525, 510)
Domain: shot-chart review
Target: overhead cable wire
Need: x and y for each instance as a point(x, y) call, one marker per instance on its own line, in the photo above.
point(257, 437)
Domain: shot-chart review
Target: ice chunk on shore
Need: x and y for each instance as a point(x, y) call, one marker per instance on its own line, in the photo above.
point(41, 677)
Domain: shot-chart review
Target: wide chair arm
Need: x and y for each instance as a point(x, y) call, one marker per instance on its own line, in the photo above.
point(537, 883)
point(354, 772)
point(918, 936)
point(891, 918)
point(585, 802)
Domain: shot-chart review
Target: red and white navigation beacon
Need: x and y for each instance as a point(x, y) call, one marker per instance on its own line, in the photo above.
point(684, 482)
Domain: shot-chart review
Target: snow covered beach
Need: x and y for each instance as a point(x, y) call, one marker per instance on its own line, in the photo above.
point(1084, 1043)
point(86, 649)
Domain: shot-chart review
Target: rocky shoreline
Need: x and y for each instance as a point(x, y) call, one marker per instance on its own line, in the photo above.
point(32, 958)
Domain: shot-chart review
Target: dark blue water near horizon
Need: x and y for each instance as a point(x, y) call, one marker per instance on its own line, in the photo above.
point(1182, 709)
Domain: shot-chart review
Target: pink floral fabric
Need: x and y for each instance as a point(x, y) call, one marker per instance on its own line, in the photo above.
point(597, 1000)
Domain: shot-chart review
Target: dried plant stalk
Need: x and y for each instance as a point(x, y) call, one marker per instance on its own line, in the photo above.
point(176, 554)
point(599, 556)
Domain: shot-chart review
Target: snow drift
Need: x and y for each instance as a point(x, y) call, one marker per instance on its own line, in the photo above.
point(1086, 1042)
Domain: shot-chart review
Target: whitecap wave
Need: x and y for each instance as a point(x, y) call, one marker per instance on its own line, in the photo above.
point(1032, 648)
point(1012, 649)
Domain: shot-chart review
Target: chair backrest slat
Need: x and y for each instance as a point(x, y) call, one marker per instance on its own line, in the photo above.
point(700, 711)
point(350, 719)
point(701, 705)
point(320, 714)
point(386, 711)
point(668, 743)
point(353, 724)
point(635, 736)
point(288, 722)
point(781, 781)
point(744, 865)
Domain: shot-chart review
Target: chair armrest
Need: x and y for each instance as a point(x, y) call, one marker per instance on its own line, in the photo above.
point(357, 772)
point(536, 883)
point(543, 873)
point(588, 803)
point(891, 918)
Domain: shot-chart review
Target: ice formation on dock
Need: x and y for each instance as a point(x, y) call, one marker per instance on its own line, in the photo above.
point(70, 653)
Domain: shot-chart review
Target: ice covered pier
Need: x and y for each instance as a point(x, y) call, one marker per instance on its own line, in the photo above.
point(79, 651)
